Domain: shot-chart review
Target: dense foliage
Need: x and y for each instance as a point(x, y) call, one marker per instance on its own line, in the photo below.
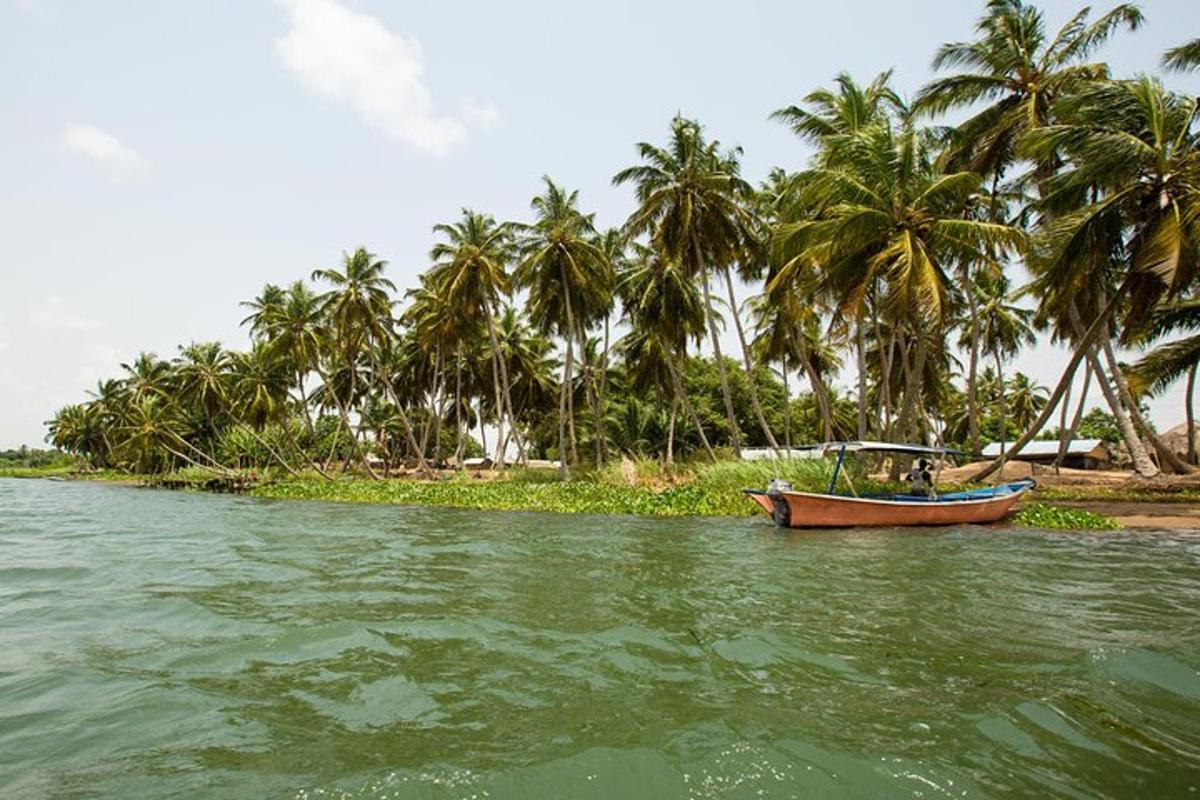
point(889, 250)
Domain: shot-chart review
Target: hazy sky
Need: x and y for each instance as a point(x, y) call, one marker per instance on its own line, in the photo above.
point(160, 161)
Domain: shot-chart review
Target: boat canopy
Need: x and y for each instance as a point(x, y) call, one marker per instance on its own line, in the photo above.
point(883, 447)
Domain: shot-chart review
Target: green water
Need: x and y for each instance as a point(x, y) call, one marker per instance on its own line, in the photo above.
point(157, 644)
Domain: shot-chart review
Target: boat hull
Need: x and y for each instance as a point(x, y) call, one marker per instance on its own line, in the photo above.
point(807, 510)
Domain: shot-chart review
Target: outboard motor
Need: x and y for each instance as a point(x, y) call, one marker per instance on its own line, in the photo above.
point(783, 514)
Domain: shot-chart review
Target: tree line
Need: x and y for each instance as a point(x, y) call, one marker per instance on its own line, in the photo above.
point(896, 245)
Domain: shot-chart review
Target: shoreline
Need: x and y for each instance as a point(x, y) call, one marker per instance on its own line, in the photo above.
point(1168, 512)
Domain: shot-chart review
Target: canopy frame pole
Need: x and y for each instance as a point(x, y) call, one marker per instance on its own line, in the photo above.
point(837, 468)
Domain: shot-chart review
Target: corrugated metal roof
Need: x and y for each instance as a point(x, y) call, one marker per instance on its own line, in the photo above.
point(1077, 447)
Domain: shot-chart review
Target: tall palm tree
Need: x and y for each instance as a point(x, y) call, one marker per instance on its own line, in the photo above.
point(570, 284)
point(470, 274)
point(294, 330)
point(146, 376)
point(202, 380)
point(690, 202)
point(665, 311)
point(834, 120)
point(1122, 219)
point(357, 310)
point(258, 390)
point(1004, 328)
point(1017, 71)
point(887, 227)
point(613, 245)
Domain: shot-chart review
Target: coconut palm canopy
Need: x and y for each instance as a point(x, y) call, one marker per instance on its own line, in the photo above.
point(896, 234)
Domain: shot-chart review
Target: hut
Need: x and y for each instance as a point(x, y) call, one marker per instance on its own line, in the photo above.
point(1081, 453)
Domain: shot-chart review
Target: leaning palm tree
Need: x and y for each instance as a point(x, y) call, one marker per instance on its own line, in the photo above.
point(570, 285)
point(1121, 228)
point(470, 275)
point(1017, 72)
point(1162, 366)
point(690, 202)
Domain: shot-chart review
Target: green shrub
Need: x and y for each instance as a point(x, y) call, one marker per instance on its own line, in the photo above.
point(1040, 515)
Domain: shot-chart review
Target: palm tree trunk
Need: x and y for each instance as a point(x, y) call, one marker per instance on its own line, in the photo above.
point(671, 430)
point(822, 396)
point(566, 401)
point(291, 437)
point(726, 395)
point(1189, 413)
point(1065, 441)
point(1165, 454)
point(1003, 409)
point(459, 438)
point(973, 366)
point(1063, 437)
point(438, 398)
point(1137, 452)
point(274, 454)
point(344, 413)
point(304, 401)
point(682, 395)
point(1142, 462)
point(787, 406)
point(499, 375)
point(860, 341)
point(482, 432)
point(594, 401)
point(564, 388)
point(602, 410)
point(405, 422)
point(750, 382)
point(1081, 348)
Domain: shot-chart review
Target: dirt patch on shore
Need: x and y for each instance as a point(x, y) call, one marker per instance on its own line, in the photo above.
point(1132, 514)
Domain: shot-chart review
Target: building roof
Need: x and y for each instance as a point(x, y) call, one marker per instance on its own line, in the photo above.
point(1076, 447)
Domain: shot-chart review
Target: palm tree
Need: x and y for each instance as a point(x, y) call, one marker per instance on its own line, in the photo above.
point(665, 311)
point(294, 330)
point(202, 380)
point(885, 228)
point(469, 273)
point(1184, 58)
point(1162, 366)
point(570, 285)
point(357, 310)
point(690, 202)
point(613, 245)
point(146, 377)
point(1018, 73)
point(528, 359)
point(1004, 328)
point(789, 330)
point(259, 393)
point(1123, 219)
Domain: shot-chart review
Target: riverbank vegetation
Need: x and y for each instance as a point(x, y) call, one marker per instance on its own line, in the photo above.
point(1066, 205)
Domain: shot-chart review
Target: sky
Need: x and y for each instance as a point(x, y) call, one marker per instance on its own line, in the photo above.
point(161, 161)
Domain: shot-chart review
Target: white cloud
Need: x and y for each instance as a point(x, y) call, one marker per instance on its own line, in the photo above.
point(52, 314)
point(118, 159)
point(351, 57)
point(483, 115)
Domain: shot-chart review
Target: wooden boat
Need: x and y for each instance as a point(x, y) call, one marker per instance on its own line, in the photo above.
point(792, 509)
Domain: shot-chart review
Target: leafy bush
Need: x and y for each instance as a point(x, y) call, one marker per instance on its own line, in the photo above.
point(1040, 515)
